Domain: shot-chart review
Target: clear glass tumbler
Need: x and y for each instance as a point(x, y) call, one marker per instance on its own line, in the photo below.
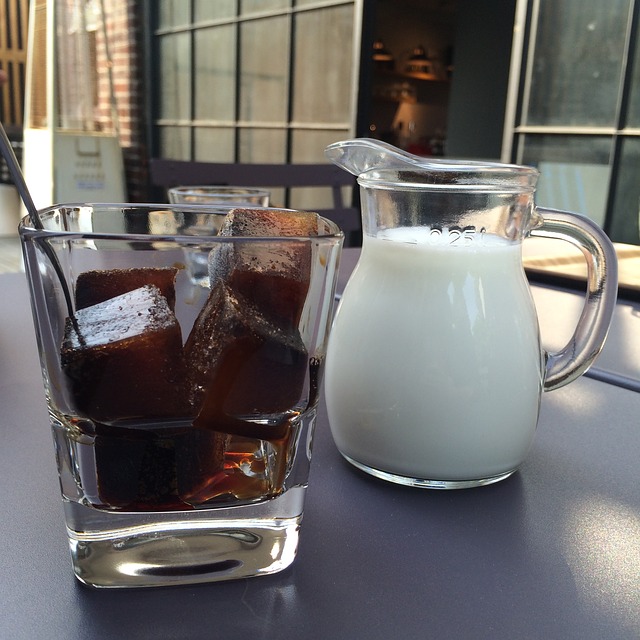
point(182, 415)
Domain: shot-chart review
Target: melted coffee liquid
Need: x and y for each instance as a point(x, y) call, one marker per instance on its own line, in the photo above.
point(220, 460)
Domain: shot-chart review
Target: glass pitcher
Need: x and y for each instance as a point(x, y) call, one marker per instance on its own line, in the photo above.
point(434, 369)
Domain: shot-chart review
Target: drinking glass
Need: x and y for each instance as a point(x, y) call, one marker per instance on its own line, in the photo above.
point(182, 415)
point(216, 194)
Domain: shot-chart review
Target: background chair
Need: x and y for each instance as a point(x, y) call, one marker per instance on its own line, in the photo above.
point(285, 181)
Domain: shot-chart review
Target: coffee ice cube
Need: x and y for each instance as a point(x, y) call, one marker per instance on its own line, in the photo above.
point(151, 469)
point(123, 358)
point(273, 274)
point(269, 222)
point(242, 365)
point(93, 287)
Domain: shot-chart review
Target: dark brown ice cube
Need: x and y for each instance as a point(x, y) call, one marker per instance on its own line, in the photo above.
point(274, 275)
point(241, 364)
point(93, 287)
point(269, 222)
point(142, 469)
point(123, 358)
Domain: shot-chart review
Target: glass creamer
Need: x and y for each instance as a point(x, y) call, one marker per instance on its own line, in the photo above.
point(435, 370)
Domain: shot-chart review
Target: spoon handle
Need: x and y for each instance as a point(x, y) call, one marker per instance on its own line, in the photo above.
point(18, 179)
point(20, 183)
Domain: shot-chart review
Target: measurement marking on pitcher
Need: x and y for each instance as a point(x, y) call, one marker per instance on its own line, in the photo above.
point(456, 236)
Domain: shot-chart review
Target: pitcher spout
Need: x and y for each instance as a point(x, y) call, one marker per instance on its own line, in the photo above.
point(447, 199)
point(374, 161)
point(361, 155)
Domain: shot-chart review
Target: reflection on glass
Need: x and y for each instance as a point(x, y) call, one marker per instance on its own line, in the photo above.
point(214, 64)
point(264, 67)
point(213, 144)
point(578, 57)
point(574, 172)
point(323, 66)
point(175, 72)
point(172, 13)
point(307, 146)
point(306, 143)
point(267, 146)
point(210, 10)
point(262, 145)
point(174, 142)
point(253, 6)
point(227, 71)
point(633, 108)
point(626, 204)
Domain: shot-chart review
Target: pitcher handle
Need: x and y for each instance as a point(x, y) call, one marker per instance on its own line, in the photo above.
point(602, 288)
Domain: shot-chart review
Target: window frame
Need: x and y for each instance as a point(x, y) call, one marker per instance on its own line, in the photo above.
point(288, 127)
point(516, 129)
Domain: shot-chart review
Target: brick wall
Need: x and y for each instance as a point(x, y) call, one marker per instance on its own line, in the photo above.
point(124, 36)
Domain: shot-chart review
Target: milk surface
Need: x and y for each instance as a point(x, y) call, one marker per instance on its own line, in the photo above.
point(434, 366)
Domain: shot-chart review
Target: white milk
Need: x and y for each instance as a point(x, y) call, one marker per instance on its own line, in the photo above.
point(434, 367)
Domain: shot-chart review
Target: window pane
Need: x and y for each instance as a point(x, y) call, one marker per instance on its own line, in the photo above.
point(574, 172)
point(174, 71)
point(263, 145)
point(626, 205)
point(633, 112)
point(253, 6)
point(214, 144)
point(323, 65)
point(308, 146)
point(264, 65)
point(172, 13)
point(578, 55)
point(174, 143)
point(215, 62)
point(268, 146)
point(209, 10)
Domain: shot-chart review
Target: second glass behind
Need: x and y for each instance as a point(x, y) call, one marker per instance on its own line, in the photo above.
point(198, 224)
point(216, 194)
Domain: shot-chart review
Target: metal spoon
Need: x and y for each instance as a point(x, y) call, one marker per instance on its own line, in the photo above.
point(18, 178)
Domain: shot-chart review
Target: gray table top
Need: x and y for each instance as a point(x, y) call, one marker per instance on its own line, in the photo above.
point(552, 552)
